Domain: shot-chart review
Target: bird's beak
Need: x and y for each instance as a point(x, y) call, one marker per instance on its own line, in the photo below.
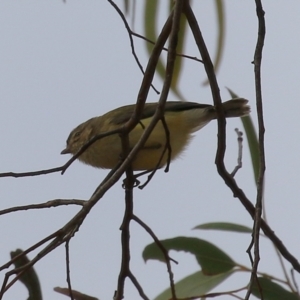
point(65, 151)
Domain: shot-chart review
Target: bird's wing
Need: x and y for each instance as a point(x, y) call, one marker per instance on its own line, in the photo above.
point(122, 114)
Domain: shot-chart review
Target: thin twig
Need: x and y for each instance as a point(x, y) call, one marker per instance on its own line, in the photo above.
point(33, 173)
point(156, 240)
point(148, 77)
point(164, 251)
point(125, 227)
point(68, 270)
point(260, 181)
point(229, 180)
point(240, 152)
point(143, 93)
point(295, 284)
point(61, 235)
point(166, 49)
point(167, 146)
point(31, 248)
point(74, 224)
point(130, 38)
point(63, 168)
point(88, 144)
point(167, 83)
point(138, 286)
point(158, 114)
point(48, 204)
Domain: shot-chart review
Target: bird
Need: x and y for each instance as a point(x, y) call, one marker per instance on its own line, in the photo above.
point(182, 119)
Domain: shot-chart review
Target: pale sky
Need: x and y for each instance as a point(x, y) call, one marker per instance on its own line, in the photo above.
point(63, 63)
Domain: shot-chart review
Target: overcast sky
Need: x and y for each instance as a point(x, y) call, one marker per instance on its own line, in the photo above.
point(62, 63)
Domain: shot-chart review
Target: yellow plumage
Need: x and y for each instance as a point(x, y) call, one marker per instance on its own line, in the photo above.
point(182, 119)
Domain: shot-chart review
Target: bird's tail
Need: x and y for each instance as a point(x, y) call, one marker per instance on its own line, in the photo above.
point(236, 107)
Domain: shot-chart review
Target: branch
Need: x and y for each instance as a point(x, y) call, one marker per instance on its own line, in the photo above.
point(171, 27)
point(74, 224)
point(68, 270)
point(260, 181)
point(63, 168)
point(240, 152)
point(130, 38)
point(125, 227)
point(165, 253)
point(229, 180)
point(48, 204)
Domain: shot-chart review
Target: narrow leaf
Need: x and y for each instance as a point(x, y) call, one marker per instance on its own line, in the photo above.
point(221, 35)
point(212, 260)
point(225, 226)
point(179, 60)
point(29, 278)
point(253, 144)
point(126, 6)
point(272, 291)
point(150, 23)
point(76, 295)
point(194, 285)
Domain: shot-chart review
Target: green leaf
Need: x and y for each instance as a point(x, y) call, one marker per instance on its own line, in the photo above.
point(221, 32)
point(253, 144)
point(126, 6)
point(212, 260)
point(225, 226)
point(150, 23)
point(29, 278)
point(179, 59)
point(272, 291)
point(194, 285)
point(252, 140)
point(221, 35)
point(151, 20)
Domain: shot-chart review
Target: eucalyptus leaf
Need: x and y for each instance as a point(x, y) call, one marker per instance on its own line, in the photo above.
point(221, 35)
point(150, 23)
point(196, 284)
point(225, 226)
point(212, 259)
point(29, 278)
point(272, 291)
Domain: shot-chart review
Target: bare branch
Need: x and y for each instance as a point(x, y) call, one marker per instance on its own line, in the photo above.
point(137, 286)
point(175, 22)
point(130, 38)
point(229, 180)
point(260, 182)
point(168, 259)
point(68, 270)
point(240, 152)
point(166, 49)
point(48, 204)
point(166, 147)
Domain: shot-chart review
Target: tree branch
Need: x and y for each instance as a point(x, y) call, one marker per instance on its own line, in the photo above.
point(229, 180)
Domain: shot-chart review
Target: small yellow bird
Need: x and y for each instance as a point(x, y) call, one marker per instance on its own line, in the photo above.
point(182, 119)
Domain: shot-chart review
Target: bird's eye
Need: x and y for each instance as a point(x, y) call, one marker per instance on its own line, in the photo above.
point(77, 134)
